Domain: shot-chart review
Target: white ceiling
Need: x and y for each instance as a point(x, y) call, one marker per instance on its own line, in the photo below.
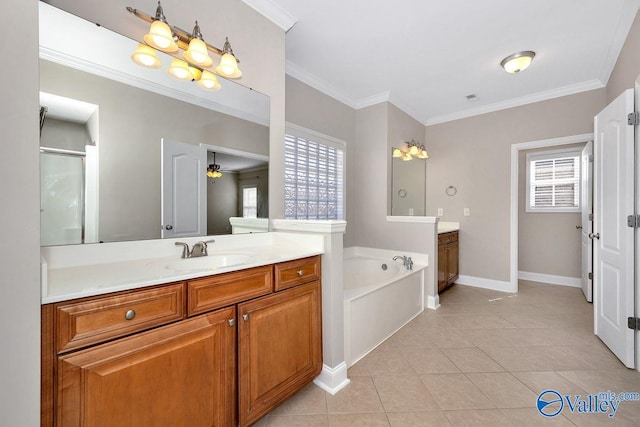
point(425, 56)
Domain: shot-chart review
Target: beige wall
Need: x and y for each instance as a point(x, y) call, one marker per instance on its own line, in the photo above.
point(628, 66)
point(64, 135)
point(20, 215)
point(473, 154)
point(222, 203)
point(548, 243)
point(129, 143)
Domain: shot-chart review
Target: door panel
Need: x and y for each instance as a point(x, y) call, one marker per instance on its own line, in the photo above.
point(613, 240)
point(586, 223)
point(184, 190)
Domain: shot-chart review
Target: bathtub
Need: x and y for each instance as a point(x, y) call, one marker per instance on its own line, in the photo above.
point(380, 297)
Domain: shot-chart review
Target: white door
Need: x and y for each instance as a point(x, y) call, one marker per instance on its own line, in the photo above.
point(586, 224)
point(613, 240)
point(184, 190)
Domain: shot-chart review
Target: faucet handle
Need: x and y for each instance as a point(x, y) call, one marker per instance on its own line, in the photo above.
point(185, 249)
point(204, 246)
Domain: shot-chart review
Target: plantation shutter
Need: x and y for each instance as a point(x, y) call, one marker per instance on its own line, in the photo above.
point(554, 182)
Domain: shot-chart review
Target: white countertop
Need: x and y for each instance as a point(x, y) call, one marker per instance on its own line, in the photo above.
point(446, 227)
point(64, 280)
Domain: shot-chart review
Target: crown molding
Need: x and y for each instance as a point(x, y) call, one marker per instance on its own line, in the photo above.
point(273, 12)
point(309, 79)
point(517, 102)
point(372, 100)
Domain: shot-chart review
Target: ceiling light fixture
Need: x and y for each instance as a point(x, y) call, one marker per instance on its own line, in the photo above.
point(213, 171)
point(410, 150)
point(170, 39)
point(518, 61)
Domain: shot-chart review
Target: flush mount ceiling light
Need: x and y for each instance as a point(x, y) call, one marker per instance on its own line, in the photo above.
point(410, 150)
point(170, 39)
point(518, 61)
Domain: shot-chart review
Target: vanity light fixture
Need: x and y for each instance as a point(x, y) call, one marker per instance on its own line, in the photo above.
point(170, 39)
point(213, 171)
point(410, 150)
point(518, 61)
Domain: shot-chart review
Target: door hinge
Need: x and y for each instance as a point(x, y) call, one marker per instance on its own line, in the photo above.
point(590, 158)
point(633, 221)
point(633, 119)
point(633, 323)
point(590, 276)
point(590, 217)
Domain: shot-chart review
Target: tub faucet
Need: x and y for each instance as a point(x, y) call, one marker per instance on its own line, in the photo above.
point(406, 261)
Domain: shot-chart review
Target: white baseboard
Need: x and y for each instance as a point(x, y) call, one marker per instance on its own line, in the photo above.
point(574, 282)
point(432, 302)
point(481, 282)
point(332, 380)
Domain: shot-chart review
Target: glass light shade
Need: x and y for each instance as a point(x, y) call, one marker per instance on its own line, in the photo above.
point(208, 81)
point(423, 155)
point(396, 153)
point(197, 53)
point(196, 74)
point(517, 62)
point(407, 157)
point(413, 150)
point(180, 70)
point(146, 56)
point(214, 174)
point(228, 67)
point(161, 37)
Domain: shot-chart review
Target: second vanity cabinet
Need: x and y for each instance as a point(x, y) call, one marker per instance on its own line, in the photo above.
point(216, 351)
point(448, 250)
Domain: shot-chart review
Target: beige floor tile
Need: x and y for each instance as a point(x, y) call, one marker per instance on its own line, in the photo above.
point(478, 418)
point(534, 358)
point(478, 322)
point(429, 361)
point(410, 338)
point(403, 393)
point(504, 390)
point(353, 420)
point(450, 338)
point(598, 420)
point(297, 421)
point(360, 396)
point(309, 400)
point(593, 381)
point(384, 363)
point(455, 391)
point(418, 419)
point(598, 356)
point(472, 360)
point(550, 380)
point(429, 321)
point(530, 417)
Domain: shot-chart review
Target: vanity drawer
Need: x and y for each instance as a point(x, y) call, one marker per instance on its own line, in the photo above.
point(297, 272)
point(221, 290)
point(444, 238)
point(86, 323)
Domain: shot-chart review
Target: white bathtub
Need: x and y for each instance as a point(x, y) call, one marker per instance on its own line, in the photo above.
point(378, 301)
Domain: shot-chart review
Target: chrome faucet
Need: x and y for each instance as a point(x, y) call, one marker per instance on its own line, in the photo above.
point(199, 249)
point(406, 261)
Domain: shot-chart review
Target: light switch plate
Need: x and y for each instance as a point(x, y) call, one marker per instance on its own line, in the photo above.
point(467, 212)
point(440, 212)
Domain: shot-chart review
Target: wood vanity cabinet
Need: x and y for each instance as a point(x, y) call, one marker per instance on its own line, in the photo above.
point(181, 359)
point(448, 251)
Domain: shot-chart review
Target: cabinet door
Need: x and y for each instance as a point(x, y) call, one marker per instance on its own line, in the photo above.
point(452, 267)
point(177, 375)
point(280, 348)
point(442, 266)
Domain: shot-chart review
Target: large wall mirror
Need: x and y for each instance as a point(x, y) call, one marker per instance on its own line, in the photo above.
point(408, 187)
point(102, 132)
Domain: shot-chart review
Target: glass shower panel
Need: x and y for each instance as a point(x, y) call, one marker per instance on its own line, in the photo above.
point(61, 199)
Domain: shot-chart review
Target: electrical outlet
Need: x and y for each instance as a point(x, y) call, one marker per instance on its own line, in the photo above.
point(410, 211)
point(467, 212)
point(440, 212)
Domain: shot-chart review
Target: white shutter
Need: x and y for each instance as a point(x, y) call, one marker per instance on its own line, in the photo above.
point(553, 181)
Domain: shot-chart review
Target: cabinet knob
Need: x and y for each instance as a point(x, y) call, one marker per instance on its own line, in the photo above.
point(300, 272)
point(231, 322)
point(245, 317)
point(130, 314)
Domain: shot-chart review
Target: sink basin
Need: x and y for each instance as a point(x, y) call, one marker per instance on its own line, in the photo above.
point(209, 262)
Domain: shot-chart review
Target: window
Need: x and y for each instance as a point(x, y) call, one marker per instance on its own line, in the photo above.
point(553, 181)
point(314, 175)
point(250, 202)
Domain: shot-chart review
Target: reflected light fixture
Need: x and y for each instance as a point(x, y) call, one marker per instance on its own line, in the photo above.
point(213, 171)
point(146, 56)
point(518, 61)
point(170, 39)
point(410, 150)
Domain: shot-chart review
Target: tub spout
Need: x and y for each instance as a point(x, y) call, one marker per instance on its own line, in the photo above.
point(406, 261)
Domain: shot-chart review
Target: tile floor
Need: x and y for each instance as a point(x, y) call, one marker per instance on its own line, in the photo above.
point(479, 360)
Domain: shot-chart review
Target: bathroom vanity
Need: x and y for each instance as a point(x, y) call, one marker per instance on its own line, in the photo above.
point(448, 251)
point(211, 350)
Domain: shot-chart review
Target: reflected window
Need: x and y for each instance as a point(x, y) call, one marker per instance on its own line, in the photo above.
point(250, 202)
point(314, 176)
